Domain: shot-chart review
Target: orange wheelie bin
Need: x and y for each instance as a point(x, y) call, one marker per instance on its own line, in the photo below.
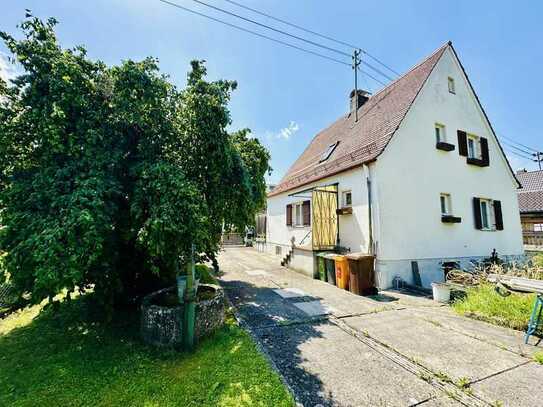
point(342, 272)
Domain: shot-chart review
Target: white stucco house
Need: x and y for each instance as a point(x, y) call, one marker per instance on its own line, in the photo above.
point(418, 180)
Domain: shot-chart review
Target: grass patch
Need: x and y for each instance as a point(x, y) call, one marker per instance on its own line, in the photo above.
point(68, 358)
point(482, 302)
point(538, 357)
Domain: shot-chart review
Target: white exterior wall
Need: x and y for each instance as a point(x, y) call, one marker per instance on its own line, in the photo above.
point(412, 173)
point(353, 228)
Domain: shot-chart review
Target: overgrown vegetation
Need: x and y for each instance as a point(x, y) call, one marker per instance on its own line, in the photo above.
point(538, 260)
point(538, 357)
point(484, 303)
point(71, 358)
point(108, 175)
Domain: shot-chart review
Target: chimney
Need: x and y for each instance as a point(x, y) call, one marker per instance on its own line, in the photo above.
point(358, 100)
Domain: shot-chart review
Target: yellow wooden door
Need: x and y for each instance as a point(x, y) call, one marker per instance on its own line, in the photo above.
point(324, 218)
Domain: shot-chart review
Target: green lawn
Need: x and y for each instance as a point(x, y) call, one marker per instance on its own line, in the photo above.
point(65, 358)
point(484, 303)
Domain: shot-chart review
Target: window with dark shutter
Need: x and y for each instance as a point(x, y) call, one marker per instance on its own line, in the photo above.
point(484, 152)
point(462, 143)
point(477, 213)
point(306, 213)
point(498, 215)
point(289, 215)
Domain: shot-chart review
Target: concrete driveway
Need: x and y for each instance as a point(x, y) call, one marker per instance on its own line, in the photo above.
point(333, 348)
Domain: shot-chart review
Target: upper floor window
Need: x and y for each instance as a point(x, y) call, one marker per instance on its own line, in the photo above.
point(440, 133)
point(473, 146)
point(441, 138)
point(445, 201)
point(450, 82)
point(347, 199)
point(538, 227)
point(446, 209)
point(488, 214)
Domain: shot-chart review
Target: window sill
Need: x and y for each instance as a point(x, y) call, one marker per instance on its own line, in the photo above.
point(441, 145)
point(477, 162)
point(347, 210)
point(298, 226)
point(450, 219)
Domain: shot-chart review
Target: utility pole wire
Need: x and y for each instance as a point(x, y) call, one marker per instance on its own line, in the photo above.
point(254, 33)
point(314, 33)
point(517, 148)
point(516, 142)
point(268, 38)
point(519, 155)
point(372, 77)
point(272, 28)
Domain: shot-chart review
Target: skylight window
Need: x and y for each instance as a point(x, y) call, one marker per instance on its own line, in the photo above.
point(326, 155)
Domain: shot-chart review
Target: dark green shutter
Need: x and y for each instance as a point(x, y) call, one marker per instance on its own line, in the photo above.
point(498, 215)
point(462, 143)
point(477, 213)
point(289, 215)
point(306, 213)
point(484, 152)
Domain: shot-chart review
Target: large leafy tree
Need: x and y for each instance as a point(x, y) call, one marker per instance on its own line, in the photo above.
point(108, 175)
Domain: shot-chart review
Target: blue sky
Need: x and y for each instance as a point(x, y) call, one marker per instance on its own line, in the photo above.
point(286, 96)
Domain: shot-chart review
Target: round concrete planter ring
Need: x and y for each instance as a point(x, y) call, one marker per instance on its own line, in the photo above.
point(162, 325)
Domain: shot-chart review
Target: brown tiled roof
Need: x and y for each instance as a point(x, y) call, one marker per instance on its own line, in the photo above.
point(362, 141)
point(531, 201)
point(531, 180)
point(530, 197)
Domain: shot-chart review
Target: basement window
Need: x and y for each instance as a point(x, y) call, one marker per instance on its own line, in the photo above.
point(326, 155)
point(452, 88)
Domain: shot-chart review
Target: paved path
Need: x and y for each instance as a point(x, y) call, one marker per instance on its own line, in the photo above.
point(335, 348)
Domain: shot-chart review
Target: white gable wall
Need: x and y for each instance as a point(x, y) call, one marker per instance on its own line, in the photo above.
point(412, 173)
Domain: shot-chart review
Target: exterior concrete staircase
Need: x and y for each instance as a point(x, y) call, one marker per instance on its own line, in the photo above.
point(286, 260)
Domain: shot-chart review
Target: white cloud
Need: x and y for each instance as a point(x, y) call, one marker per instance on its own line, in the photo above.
point(8, 71)
point(285, 133)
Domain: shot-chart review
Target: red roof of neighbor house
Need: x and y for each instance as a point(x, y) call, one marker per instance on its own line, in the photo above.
point(530, 197)
point(363, 141)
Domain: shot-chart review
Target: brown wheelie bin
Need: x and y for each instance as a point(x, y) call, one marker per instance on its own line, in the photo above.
point(362, 274)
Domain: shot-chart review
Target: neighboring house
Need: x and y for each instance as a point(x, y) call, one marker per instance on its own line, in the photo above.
point(530, 199)
point(419, 180)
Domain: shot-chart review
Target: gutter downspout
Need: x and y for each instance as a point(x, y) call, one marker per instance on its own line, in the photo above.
point(370, 220)
point(370, 210)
